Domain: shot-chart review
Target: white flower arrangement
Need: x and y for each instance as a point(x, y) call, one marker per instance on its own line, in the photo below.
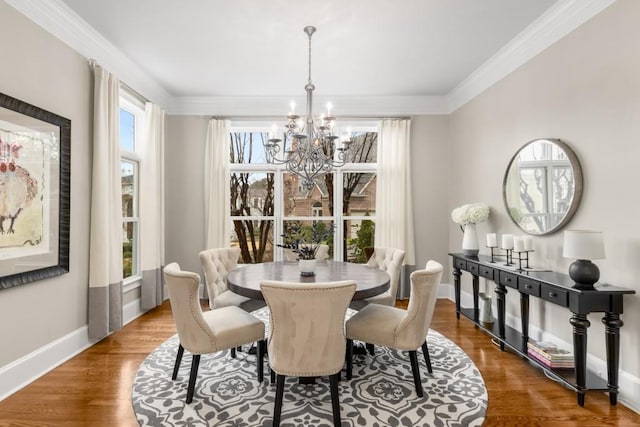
point(470, 214)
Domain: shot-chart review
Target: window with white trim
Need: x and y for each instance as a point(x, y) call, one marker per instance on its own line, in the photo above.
point(266, 200)
point(131, 119)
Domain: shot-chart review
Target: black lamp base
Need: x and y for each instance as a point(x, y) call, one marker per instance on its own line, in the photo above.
point(584, 273)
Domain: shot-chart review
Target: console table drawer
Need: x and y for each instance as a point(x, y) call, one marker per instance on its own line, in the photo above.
point(555, 295)
point(486, 272)
point(529, 286)
point(472, 268)
point(461, 264)
point(508, 279)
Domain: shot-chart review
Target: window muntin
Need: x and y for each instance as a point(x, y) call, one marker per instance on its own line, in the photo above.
point(345, 197)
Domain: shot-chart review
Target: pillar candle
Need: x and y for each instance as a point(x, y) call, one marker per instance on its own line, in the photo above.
point(528, 243)
point(492, 240)
point(518, 244)
point(507, 241)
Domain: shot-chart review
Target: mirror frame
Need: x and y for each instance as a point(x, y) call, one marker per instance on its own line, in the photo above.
point(578, 178)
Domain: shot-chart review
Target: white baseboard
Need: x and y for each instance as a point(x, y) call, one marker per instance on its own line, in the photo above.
point(629, 385)
point(32, 366)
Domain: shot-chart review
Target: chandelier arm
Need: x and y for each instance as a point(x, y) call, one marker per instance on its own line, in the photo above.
point(308, 157)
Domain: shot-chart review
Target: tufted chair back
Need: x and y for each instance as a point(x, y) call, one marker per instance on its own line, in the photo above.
point(195, 334)
point(389, 260)
point(216, 264)
point(307, 335)
point(413, 328)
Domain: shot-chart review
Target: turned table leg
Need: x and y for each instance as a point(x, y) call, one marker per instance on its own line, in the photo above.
point(501, 292)
point(456, 284)
point(612, 330)
point(580, 325)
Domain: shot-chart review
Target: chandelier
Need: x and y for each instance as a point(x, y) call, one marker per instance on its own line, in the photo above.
point(307, 149)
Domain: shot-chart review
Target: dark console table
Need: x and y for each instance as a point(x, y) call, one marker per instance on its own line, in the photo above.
point(557, 289)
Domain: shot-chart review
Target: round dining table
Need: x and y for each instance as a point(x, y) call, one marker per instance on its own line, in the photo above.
point(245, 280)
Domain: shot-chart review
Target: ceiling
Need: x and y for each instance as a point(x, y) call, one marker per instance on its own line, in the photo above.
point(370, 58)
point(258, 48)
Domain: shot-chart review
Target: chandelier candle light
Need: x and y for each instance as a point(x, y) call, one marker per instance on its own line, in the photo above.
point(308, 151)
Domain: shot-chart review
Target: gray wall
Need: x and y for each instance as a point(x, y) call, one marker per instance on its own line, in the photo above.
point(41, 70)
point(430, 170)
point(585, 90)
point(184, 172)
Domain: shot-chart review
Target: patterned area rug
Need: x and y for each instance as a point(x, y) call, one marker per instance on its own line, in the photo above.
point(381, 392)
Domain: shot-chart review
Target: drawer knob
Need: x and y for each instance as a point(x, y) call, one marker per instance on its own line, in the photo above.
point(527, 286)
point(508, 279)
point(552, 294)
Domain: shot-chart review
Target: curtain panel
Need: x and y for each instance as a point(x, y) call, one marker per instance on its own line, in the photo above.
point(105, 247)
point(152, 205)
point(216, 184)
point(394, 206)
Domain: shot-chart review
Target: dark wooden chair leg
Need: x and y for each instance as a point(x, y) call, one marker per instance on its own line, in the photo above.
point(335, 398)
point(233, 353)
point(277, 410)
point(176, 367)
point(260, 359)
point(413, 355)
point(425, 351)
point(349, 357)
point(371, 349)
point(195, 362)
point(273, 376)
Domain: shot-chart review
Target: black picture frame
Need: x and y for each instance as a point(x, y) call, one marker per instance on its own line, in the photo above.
point(45, 195)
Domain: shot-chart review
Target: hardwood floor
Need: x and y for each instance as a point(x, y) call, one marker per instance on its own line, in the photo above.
point(94, 388)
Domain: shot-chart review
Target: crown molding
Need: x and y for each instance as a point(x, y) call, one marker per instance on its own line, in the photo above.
point(277, 106)
point(58, 19)
point(558, 21)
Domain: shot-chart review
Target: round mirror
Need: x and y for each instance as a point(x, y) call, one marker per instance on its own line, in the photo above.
point(543, 186)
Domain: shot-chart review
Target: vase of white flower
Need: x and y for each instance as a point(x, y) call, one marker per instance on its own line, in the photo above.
point(467, 216)
point(470, 245)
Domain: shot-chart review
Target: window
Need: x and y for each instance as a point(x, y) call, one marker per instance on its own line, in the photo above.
point(266, 199)
point(131, 114)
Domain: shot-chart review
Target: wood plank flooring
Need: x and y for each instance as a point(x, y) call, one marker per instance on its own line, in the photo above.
point(94, 388)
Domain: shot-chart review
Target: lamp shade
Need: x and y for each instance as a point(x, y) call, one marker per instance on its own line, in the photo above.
point(583, 244)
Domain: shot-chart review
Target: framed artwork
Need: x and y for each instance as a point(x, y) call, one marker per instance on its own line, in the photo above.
point(34, 193)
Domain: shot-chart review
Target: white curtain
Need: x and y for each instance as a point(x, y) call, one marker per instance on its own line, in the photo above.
point(152, 207)
point(216, 184)
point(105, 248)
point(394, 206)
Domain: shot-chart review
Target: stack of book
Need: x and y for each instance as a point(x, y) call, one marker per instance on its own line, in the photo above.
point(550, 355)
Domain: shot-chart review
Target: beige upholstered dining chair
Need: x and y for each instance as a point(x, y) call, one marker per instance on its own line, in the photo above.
point(307, 336)
point(216, 264)
point(399, 329)
point(211, 331)
point(389, 260)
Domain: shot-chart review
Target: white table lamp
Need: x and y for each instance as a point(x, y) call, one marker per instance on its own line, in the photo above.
point(583, 246)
